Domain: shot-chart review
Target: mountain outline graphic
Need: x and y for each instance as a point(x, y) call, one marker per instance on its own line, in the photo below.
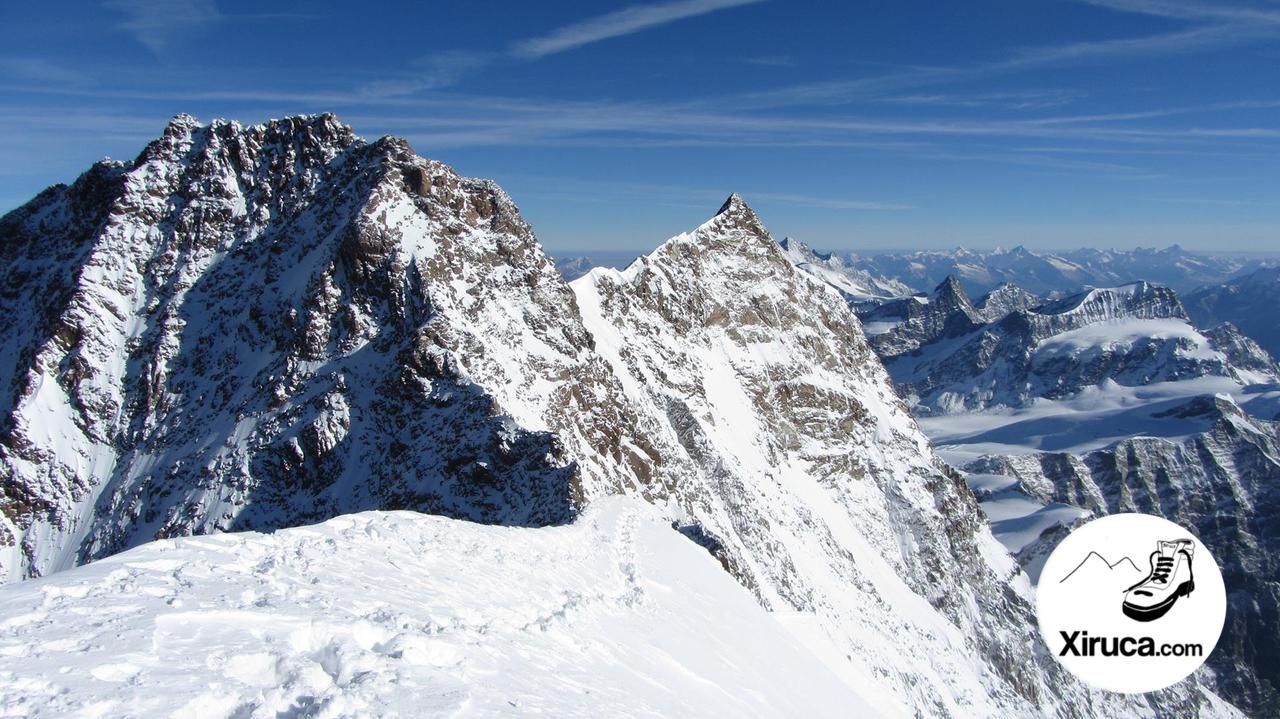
point(1110, 565)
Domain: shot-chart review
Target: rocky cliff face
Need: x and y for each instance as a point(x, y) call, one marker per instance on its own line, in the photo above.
point(253, 327)
point(950, 355)
point(1223, 483)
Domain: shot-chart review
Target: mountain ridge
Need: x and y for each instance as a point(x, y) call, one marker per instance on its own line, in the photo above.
point(948, 356)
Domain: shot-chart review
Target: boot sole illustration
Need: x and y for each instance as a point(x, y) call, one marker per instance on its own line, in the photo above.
point(1152, 613)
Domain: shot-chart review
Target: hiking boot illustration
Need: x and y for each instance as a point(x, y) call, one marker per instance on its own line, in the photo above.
point(1169, 579)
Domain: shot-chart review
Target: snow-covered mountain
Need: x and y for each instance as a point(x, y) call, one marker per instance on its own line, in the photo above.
point(253, 328)
point(1222, 481)
point(948, 354)
point(820, 492)
point(1043, 273)
point(858, 287)
point(1249, 302)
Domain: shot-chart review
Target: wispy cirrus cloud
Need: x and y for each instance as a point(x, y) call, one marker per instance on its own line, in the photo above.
point(417, 105)
point(448, 120)
point(1195, 39)
point(447, 68)
point(599, 190)
point(1034, 100)
point(157, 23)
point(432, 73)
point(1207, 27)
point(1184, 10)
point(40, 71)
point(627, 21)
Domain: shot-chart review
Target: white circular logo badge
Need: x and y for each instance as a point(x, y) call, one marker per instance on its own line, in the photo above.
point(1131, 603)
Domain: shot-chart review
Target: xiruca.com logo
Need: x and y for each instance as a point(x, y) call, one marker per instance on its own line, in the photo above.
point(1131, 603)
point(1080, 644)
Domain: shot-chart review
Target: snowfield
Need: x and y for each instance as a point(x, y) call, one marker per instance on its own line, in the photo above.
point(406, 614)
point(1123, 333)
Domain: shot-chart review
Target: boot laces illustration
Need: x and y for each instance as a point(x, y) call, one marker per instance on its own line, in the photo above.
point(1170, 578)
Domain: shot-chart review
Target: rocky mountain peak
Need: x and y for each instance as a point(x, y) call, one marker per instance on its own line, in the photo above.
point(734, 203)
point(1005, 299)
point(182, 123)
point(1137, 299)
point(950, 294)
point(1215, 407)
point(1011, 348)
point(253, 327)
point(802, 249)
point(736, 216)
point(859, 288)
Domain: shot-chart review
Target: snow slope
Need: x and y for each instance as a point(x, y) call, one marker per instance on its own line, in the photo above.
point(404, 614)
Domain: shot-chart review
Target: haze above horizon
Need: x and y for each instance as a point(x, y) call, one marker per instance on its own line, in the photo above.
point(852, 126)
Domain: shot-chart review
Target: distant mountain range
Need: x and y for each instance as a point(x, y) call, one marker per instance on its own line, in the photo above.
point(1042, 273)
point(1047, 273)
point(1250, 302)
point(948, 354)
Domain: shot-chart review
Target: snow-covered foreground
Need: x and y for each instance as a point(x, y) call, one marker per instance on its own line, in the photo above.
point(404, 614)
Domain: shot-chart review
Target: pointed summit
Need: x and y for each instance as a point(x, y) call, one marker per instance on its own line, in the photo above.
point(951, 291)
point(735, 214)
point(735, 203)
point(800, 252)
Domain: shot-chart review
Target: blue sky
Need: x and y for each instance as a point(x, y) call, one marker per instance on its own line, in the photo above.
point(859, 125)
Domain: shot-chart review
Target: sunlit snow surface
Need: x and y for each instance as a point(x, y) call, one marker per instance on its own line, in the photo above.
point(404, 614)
